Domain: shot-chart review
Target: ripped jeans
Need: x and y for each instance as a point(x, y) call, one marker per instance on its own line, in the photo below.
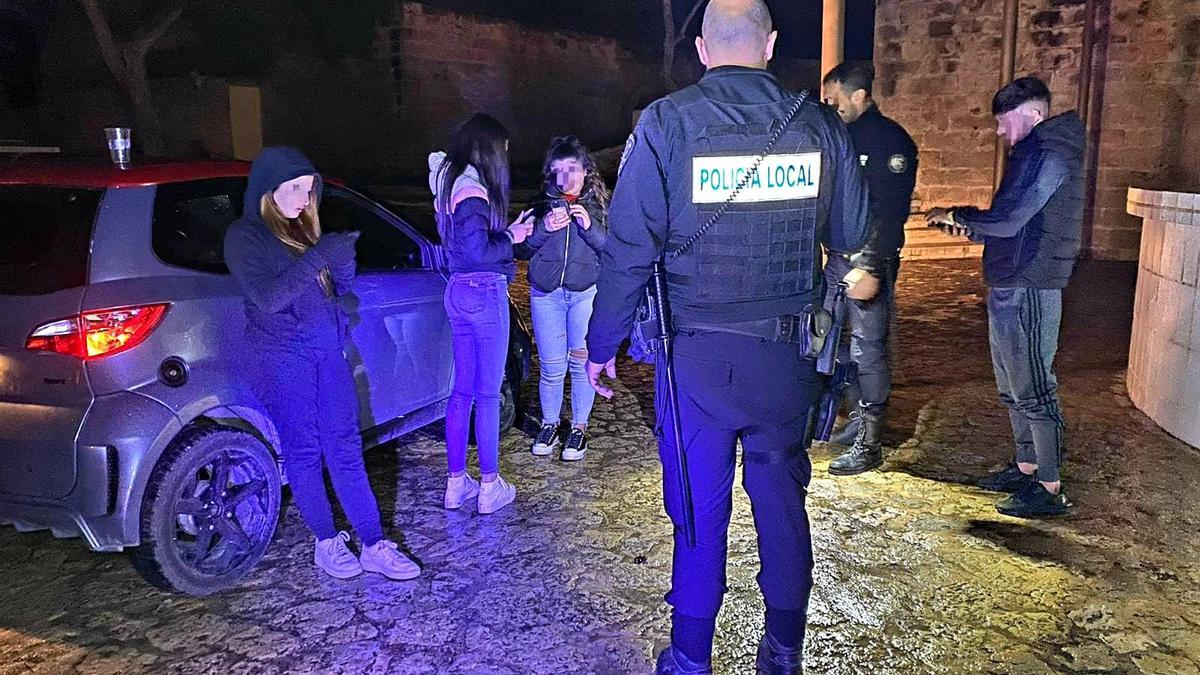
point(560, 323)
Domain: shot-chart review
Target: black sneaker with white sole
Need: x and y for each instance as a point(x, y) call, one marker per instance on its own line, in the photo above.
point(576, 446)
point(546, 441)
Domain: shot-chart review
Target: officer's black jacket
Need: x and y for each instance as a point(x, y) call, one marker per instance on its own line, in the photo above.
point(889, 160)
point(652, 208)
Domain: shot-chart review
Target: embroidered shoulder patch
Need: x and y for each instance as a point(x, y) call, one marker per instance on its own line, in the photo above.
point(898, 163)
point(630, 144)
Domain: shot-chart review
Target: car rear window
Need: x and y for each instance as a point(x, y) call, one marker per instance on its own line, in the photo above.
point(45, 236)
point(190, 220)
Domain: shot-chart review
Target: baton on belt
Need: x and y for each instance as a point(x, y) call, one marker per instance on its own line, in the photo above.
point(658, 284)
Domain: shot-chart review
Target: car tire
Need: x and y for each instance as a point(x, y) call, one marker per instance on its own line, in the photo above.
point(508, 408)
point(508, 411)
point(197, 538)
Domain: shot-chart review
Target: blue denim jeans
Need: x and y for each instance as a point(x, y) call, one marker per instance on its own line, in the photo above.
point(312, 399)
point(1023, 328)
point(560, 323)
point(477, 306)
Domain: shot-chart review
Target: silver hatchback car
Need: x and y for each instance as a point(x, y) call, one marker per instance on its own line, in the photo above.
point(122, 419)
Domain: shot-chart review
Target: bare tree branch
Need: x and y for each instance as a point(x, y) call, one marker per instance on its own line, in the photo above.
point(127, 61)
point(110, 51)
point(683, 30)
point(156, 32)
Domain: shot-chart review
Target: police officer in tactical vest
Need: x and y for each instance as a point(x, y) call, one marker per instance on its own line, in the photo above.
point(889, 161)
point(734, 184)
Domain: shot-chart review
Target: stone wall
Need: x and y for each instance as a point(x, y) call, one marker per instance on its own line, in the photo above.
point(539, 83)
point(938, 65)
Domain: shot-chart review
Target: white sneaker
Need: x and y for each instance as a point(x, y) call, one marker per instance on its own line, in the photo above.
point(335, 559)
point(384, 557)
point(496, 495)
point(459, 490)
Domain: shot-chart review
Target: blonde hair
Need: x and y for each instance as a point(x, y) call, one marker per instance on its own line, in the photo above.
point(299, 233)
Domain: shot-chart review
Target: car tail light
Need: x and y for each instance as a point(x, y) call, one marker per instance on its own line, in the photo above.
point(99, 333)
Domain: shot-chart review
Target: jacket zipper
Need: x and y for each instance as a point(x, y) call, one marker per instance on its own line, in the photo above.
point(562, 280)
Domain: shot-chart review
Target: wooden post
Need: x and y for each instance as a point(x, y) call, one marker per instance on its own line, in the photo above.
point(833, 34)
point(1008, 66)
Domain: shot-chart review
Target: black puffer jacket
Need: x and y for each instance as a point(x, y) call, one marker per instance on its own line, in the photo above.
point(568, 257)
point(1031, 234)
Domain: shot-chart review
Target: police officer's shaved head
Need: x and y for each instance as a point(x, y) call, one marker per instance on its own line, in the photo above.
point(736, 32)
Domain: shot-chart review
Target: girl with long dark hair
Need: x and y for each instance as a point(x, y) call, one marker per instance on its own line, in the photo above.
point(564, 264)
point(470, 185)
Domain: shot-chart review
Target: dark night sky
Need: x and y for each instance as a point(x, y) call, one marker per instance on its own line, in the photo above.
point(240, 32)
point(638, 23)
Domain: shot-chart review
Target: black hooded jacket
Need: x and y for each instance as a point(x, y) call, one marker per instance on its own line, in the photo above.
point(286, 306)
point(1031, 233)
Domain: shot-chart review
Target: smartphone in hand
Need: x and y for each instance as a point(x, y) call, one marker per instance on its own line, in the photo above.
point(560, 209)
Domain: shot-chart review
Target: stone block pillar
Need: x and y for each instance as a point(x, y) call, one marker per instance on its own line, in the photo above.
point(1164, 352)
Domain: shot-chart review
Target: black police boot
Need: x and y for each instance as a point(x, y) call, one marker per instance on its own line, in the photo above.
point(671, 661)
point(867, 451)
point(1009, 479)
point(775, 659)
point(849, 431)
point(1035, 501)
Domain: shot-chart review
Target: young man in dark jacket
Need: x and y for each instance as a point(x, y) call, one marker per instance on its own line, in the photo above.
point(1031, 237)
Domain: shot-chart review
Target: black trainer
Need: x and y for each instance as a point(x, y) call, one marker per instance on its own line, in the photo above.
point(1010, 479)
point(546, 440)
point(672, 662)
point(576, 446)
point(1035, 501)
point(775, 659)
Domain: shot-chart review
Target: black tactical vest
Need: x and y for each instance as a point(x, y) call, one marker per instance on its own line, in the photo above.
point(762, 255)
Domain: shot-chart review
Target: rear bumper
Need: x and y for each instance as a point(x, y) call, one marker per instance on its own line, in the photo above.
point(119, 443)
point(89, 509)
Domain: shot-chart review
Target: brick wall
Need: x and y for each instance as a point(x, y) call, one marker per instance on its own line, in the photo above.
point(539, 83)
point(938, 65)
point(1149, 135)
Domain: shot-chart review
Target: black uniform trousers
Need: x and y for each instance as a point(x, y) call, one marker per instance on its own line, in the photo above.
point(870, 324)
point(735, 388)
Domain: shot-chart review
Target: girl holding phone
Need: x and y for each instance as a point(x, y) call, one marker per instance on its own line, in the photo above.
point(564, 264)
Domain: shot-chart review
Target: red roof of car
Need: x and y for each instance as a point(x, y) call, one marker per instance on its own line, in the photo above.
point(101, 174)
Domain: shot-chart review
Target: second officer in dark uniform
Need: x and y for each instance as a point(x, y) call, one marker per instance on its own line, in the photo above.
point(889, 160)
point(739, 292)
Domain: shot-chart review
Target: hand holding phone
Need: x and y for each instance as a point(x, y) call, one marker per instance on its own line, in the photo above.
point(559, 215)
